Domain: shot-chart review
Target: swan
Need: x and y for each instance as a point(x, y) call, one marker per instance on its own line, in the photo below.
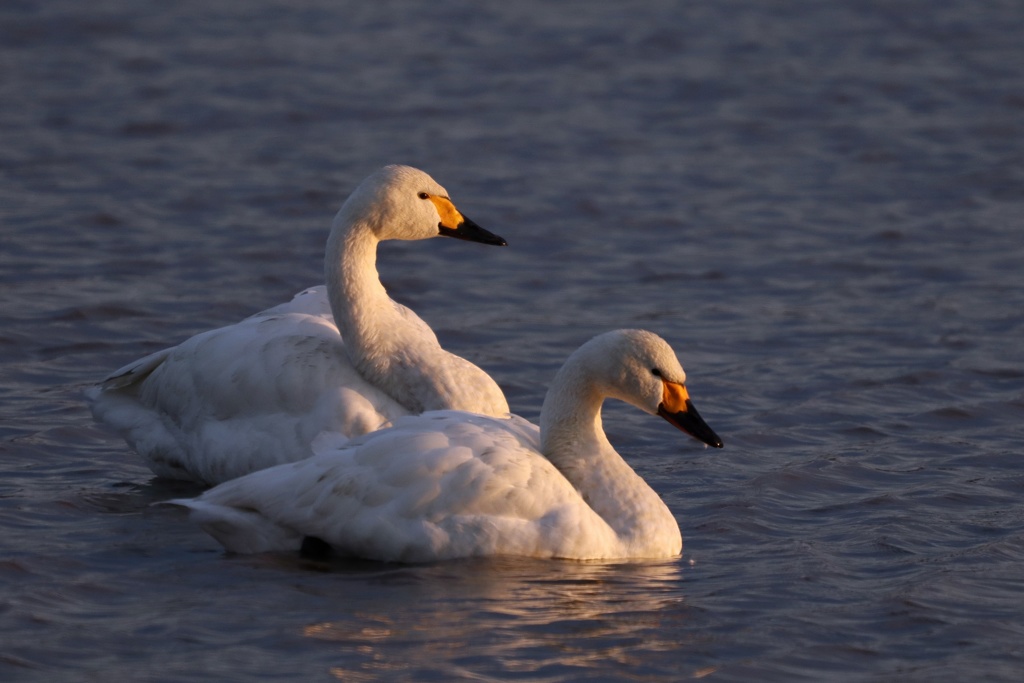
point(452, 484)
point(336, 361)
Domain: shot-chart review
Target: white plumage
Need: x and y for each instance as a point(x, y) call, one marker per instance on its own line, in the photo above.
point(337, 361)
point(452, 484)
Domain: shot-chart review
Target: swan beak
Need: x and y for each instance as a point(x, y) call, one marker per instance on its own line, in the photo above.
point(454, 224)
point(468, 230)
point(677, 408)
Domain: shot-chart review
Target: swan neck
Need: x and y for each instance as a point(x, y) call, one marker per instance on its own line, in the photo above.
point(353, 283)
point(573, 439)
point(570, 418)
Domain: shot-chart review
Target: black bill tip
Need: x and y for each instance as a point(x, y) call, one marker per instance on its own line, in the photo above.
point(690, 421)
point(470, 231)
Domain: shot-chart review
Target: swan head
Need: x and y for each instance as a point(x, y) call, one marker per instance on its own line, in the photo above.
point(640, 368)
point(404, 203)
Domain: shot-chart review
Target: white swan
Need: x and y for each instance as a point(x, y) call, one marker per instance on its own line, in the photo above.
point(450, 484)
point(258, 393)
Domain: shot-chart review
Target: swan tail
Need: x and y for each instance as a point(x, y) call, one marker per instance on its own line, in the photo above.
point(239, 530)
point(130, 374)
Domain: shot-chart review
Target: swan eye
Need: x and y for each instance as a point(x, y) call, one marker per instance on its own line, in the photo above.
point(423, 195)
point(656, 372)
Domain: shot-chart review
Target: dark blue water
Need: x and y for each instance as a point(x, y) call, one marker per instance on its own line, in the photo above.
point(820, 205)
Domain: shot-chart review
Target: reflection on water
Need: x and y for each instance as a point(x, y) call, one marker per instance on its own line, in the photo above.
point(521, 616)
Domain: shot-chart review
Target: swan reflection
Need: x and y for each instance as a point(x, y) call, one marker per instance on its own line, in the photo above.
point(493, 616)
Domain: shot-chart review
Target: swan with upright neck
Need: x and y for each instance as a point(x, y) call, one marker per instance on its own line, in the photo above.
point(450, 484)
point(335, 362)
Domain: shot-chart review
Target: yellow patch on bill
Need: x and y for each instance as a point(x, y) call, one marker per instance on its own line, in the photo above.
point(450, 216)
point(674, 397)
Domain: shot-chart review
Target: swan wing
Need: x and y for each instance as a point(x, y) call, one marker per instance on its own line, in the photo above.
point(243, 397)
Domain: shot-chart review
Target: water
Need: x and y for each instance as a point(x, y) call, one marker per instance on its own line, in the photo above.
point(818, 204)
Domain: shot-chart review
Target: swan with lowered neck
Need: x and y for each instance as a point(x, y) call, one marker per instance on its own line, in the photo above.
point(450, 484)
point(335, 362)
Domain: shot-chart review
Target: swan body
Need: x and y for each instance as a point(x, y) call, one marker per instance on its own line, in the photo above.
point(451, 484)
point(337, 361)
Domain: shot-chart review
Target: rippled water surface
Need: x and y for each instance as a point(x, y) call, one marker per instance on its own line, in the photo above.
point(820, 205)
